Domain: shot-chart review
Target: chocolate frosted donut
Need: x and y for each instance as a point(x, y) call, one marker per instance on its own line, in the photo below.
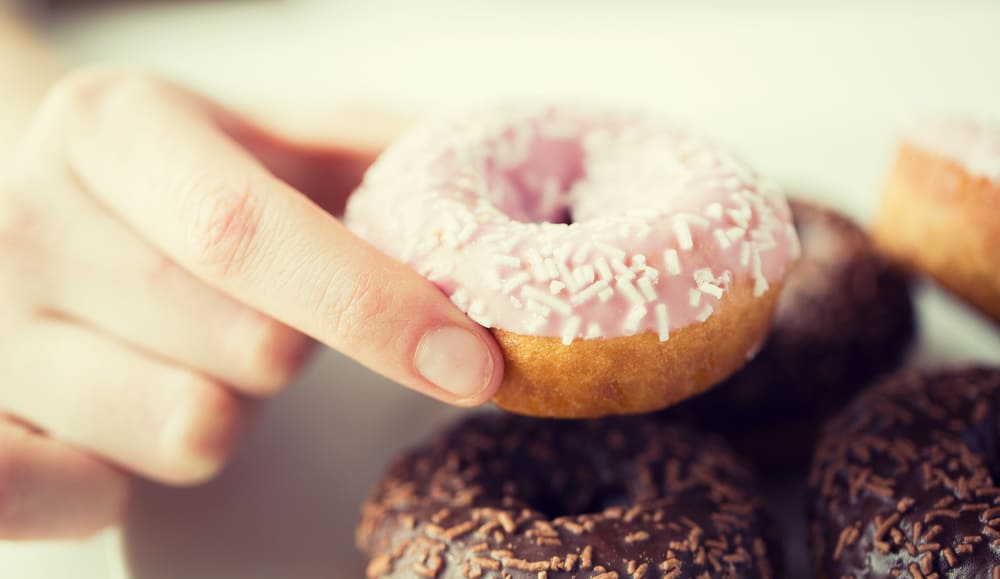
point(844, 316)
point(506, 496)
point(904, 480)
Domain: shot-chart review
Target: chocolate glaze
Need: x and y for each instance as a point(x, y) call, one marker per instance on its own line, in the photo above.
point(507, 496)
point(845, 316)
point(903, 483)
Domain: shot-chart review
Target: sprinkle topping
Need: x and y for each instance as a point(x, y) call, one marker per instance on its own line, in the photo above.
point(588, 218)
point(905, 478)
point(514, 497)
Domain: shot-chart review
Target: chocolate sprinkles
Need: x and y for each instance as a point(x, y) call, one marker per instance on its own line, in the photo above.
point(933, 442)
point(617, 498)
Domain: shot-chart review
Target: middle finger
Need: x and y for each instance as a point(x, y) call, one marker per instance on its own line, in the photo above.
point(84, 388)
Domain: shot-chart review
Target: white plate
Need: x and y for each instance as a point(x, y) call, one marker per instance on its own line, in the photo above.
point(808, 94)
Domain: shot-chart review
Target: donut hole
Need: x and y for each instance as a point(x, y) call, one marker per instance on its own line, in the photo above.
point(536, 187)
point(586, 488)
point(554, 504)
point(608, 498)
point(544, 178)
point(576, 480)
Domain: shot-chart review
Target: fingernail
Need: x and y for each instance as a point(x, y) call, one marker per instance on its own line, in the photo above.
point(456, 360)
point(198, 438)
point(184, 464)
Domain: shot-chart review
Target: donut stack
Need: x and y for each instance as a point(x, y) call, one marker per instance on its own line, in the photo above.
point(905, 481)
point(626, 265)
point(844, 318)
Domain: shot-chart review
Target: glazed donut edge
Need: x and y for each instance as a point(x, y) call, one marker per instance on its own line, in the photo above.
point(633, 374)
point(939, 218)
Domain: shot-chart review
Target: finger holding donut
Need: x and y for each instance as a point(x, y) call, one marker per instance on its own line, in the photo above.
point(161, 274)
point(623, 264)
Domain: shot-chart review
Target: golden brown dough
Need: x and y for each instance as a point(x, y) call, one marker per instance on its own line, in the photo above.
point(939, 219)
point(632, 374)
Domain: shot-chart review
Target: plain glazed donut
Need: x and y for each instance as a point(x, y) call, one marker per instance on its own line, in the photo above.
point(904, 482)
point(621, 263)
point(501, 495)
point(941, 208)
point(845, 317)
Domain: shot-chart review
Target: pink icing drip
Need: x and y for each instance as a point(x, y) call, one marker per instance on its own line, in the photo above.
point(663, 221)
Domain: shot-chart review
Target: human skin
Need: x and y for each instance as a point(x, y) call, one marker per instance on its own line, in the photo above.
point(165, 264)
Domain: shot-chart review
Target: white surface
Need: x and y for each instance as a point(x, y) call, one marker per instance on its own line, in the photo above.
point(809, 92)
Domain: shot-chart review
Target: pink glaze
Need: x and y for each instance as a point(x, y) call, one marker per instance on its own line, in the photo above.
point(974, 145)
point(662, 221)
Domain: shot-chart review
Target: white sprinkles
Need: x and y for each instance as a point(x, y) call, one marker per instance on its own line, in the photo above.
point(574, 281)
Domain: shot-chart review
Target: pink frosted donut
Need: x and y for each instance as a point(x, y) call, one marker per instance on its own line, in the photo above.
point(622, 263)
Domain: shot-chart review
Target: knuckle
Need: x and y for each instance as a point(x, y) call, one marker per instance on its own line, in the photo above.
point(356, 305)
point(92, 91)
point(211, 430)
point(17, 220)
point(224, 228)
point(161, 271)
point(23, 251)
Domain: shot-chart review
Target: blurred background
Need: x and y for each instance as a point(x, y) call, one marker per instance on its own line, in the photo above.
point(822, 82)
point(810, 92)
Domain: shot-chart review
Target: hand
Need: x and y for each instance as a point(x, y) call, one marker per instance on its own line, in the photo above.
point(160, 270)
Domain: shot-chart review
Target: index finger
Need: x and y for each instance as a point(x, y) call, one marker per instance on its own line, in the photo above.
point(156, 156)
